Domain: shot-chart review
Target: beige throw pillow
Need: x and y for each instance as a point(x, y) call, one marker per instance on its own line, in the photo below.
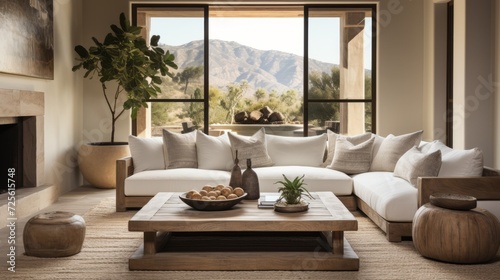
point(350, 158)
point(332, 139)
point(392, 148)
point(180, 149)
point(414, 164)
point(253, 147)
point(303, 151)
point(459, 163)
point(213, 153)
point(147, 153)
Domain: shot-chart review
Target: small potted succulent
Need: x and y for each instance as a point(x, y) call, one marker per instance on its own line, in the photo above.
point(291, 193)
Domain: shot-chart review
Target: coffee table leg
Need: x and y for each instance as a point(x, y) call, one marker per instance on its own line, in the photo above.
point(338, 242)
point(149, 243)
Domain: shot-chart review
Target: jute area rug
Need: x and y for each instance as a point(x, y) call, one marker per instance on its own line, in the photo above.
point(108, 245)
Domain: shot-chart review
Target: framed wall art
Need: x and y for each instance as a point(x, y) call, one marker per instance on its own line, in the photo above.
point(27, 44)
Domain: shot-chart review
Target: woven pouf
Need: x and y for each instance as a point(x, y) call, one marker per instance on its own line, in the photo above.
point(54, 234)
point(451, 229)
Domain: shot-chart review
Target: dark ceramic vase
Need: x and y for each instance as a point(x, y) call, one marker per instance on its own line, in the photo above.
point(235, 181)
point(250, 182)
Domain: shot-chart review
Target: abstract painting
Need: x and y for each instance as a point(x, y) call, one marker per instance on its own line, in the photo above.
point(27, 44)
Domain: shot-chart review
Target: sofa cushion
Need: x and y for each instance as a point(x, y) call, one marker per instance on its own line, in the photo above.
point(306, 151)
point(253, 147)
point(392, 148)
point(393, 198)
point(151, 182)
point(459, 163)
point(181, 149)
point(350, 158)
point(147, 153)
point(317, 179)
point(332, 140)
point(213, 152)
point(414, 164)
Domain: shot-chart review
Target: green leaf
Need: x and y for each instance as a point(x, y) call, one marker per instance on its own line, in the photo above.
point(133, 115)
point(110, 39)
point(123, 21)
point(154, 40)
point(156, 79)
point(117, 30)
point(76, 67)
point(96, 41)
point(81, 51)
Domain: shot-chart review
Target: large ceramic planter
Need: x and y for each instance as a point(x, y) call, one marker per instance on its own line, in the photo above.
point(98, 162)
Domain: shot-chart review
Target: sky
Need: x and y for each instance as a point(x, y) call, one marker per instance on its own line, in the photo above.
point(282, 34)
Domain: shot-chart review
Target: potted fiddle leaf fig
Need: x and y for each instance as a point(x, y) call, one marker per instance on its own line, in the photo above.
point(291, 193)
point(128, 69)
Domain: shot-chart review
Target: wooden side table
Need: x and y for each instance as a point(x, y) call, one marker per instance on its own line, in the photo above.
point(54, 234)
point(451, 229)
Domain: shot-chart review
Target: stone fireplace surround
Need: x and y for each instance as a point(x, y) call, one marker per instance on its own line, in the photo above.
point(27, 107)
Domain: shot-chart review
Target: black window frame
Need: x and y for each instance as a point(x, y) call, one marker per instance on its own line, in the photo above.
point(306, 100)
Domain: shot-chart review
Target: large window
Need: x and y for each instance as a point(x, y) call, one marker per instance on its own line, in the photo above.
point(341, 97)
point(296, 70)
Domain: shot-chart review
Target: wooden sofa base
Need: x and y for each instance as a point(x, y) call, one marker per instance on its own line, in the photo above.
point(394, 231)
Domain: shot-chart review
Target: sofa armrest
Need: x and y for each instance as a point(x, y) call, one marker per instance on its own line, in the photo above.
point(486, 187)
point(124, 169)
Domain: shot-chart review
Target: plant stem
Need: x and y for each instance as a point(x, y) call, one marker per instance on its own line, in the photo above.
point(111, 111)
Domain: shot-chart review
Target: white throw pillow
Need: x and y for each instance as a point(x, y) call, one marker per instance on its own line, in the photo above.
point(214, 153)
point(332, 139)
point(414, 164)
point(147, 153)
point(251, 147)
point(302, 151)
point(459, 163)
point(351, 158)
point(181, 149)
point(392, 148)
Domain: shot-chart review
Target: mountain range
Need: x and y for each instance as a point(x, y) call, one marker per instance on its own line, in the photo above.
point(231, 62)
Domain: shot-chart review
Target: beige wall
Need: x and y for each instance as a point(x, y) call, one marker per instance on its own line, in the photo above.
point(473, 73)
point(434, 91)
point(400, 67)
point(63, 99)
point(496, 79)
point(98, 15)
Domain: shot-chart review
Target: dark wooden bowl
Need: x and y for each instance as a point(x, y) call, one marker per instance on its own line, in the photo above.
point(211, 205)
point(453, 201)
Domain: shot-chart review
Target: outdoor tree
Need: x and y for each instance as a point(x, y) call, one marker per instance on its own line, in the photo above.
point(216, 113)
point(324, 86)
point(232, 99)
point(195, 109)
point(187, 75)
point(260, 94)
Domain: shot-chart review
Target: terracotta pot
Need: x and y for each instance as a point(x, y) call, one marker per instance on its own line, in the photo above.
point(98, 162)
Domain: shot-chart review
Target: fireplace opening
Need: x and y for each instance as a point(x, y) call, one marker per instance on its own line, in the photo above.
point(11, 154)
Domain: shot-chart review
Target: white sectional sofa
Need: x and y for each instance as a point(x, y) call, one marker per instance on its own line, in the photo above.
point(386, 178)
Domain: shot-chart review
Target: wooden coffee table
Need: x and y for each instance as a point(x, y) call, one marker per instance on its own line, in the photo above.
point(177, 237)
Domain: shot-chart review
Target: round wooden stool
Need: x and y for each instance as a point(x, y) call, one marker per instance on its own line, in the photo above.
point(451, 229)
point(54, 234)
